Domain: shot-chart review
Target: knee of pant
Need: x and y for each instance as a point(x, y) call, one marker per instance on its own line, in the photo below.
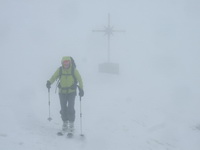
point(62, 112)
point(71, 110)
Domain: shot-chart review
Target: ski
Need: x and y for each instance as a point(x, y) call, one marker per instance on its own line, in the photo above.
point(61, 133)
point(70, 135)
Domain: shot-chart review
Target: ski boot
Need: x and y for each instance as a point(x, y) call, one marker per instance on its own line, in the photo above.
point(70, 129)
point(64, 128)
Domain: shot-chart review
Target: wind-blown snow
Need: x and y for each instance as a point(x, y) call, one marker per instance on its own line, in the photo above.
point(152, 104)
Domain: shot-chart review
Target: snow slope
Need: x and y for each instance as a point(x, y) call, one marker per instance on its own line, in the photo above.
point(152, 104)
point(113, 118)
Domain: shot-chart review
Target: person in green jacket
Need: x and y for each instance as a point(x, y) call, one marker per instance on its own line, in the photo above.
point(68, 77)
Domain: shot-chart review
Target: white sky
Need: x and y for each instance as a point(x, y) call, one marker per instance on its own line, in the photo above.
point(160, 45)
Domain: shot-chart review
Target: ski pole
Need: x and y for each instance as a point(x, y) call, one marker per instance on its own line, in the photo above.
point(81, 118)
point(49, 104)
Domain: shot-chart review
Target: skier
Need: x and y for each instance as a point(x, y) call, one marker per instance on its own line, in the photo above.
point(68, 77)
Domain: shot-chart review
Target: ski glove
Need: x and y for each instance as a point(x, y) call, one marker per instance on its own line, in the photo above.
point(81, 92)
point(48, 85)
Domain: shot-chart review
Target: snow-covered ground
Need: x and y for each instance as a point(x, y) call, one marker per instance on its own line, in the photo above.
point(153, 104)
point(116, 115)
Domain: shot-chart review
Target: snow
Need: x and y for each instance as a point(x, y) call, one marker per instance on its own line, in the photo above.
point(152, 104)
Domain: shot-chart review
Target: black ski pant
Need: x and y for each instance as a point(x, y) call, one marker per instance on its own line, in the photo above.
point(67, 102)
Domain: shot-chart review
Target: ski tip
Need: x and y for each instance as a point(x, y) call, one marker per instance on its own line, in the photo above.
point(70, 135)
point(60, 134)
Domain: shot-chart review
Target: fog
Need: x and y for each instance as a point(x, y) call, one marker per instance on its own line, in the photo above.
point(151, 104)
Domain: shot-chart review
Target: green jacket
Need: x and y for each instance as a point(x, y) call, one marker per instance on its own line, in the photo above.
point(66, 78)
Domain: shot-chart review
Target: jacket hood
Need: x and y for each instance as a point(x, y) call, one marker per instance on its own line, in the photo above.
point(66, 58)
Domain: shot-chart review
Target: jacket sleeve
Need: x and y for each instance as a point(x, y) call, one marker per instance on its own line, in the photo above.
point(79, 79)
point(54, 76)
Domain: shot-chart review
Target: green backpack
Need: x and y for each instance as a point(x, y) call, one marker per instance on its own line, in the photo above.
point(73, 67)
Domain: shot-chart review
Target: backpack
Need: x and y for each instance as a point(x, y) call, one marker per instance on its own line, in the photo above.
point(73, 67)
